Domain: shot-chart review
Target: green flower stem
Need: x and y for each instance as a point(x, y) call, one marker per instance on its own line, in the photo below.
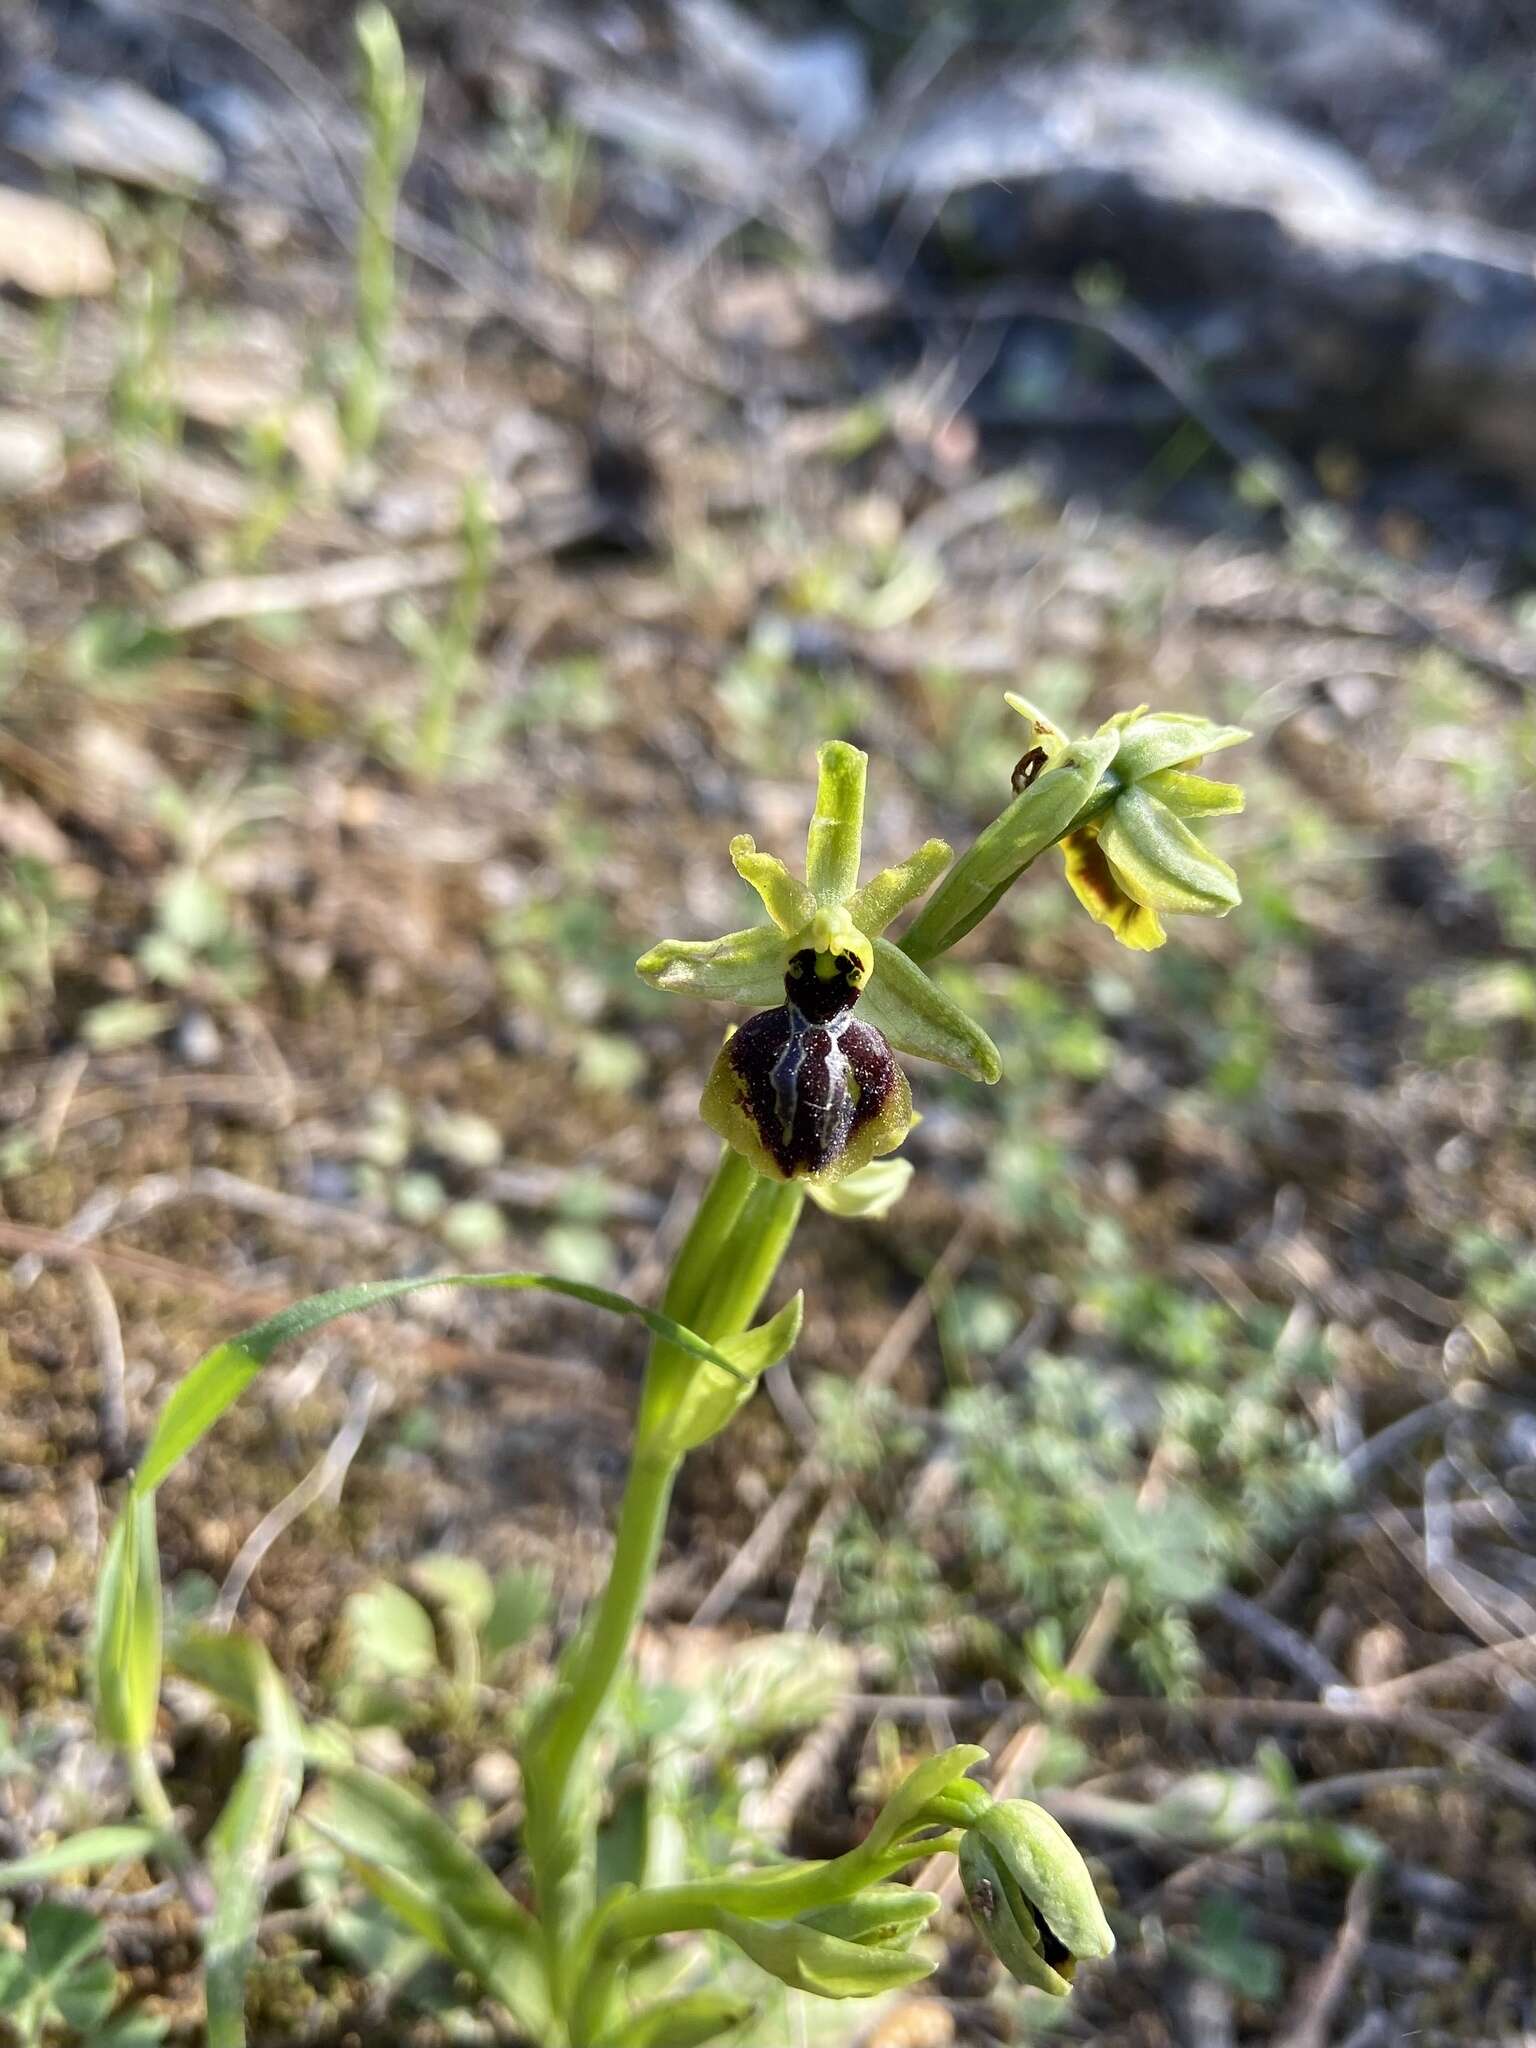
point(761, 1895)
point(722, 1271)
point(715, 1218)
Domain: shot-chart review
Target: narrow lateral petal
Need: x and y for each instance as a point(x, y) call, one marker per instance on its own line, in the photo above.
point(886, 895)
point(787, 900)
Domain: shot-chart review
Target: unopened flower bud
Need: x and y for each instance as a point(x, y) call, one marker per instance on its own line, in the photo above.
point(1029, 1892)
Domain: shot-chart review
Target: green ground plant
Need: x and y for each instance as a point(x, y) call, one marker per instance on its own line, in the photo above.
point(392, 113)
point(810, 1102)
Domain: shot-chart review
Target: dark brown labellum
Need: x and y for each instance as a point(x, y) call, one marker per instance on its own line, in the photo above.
point(809, 1078)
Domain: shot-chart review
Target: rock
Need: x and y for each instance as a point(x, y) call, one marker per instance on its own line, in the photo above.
point(110, 129)
point(1301, 287)
point(31, 454)
point(51, 250)
point(817, 86)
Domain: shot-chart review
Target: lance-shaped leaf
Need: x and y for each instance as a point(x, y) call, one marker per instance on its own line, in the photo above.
point(710, 1398)
point(91, 1849)
point(245, 1838)
point(414, 1863)
point(128, 1629)
point(833, 843)
point(915, 1015)
point(695, 2020)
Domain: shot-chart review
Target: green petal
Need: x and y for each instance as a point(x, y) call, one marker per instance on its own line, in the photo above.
point(1159, 861)
point(917, 1017)
point(1193, 796)
point(1152, 740)
point(741, 967)
point(887, 894)
point(787, 901)
point(837, 828)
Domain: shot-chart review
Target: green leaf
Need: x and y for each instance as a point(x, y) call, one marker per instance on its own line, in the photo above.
point(245, 1838)
point(85, 1997)
point(462, 1585)
point(389, 1634)
point(917, 1017)
point(89, 1850)
point(128, 1629)
point(219, 1378)
point(413, 1861)
point(708, 1399)
point(523, 1598)
point(837, 824)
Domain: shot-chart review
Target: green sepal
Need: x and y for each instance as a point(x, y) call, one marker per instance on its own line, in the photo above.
point(808, 1960)
point(787, 900)
point(885, 896)
point(1147, 741)
point(740, 967)
point(1002, 1914)
point(1159, 861)
point(835, 838)
point(903, 1811)
point(692, 2021)
point(884, 1916)
point(914, 1015)
point(1193, 796)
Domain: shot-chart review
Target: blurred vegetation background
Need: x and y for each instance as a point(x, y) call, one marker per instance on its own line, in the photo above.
point(436, 510)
